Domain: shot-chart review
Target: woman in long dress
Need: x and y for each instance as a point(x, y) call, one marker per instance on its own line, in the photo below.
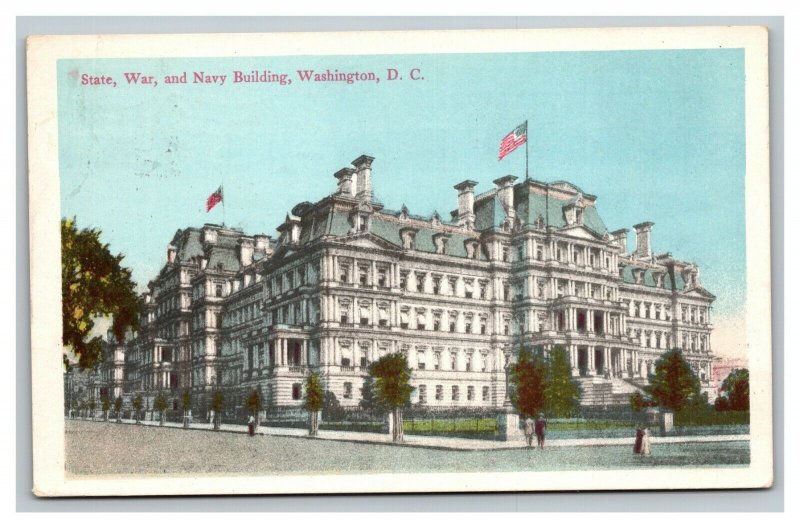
point(646, 442)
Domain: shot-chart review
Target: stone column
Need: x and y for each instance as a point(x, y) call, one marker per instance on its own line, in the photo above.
point(573, 359)
point(607, 361)
point(304, 359)
point(590, 358)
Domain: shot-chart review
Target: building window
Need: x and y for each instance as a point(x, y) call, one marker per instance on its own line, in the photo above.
point(297, 391)
point(344, 271)
point(505, 254)
point(436, 359)
point(345, 361)
point(404, 315)
point(484, 362)
point(451, 281)
point(218, 290)
point(520, 253)
point(439, 393)
point(362, 275)
point(420, 282)
point(468, 289)
point(382, 277)
point(452, 361)
point(423, 393)
point(437, 285)
point(347, 393)
point(455, 393)
point(437, 321)
point(468, 328)
point(469, 363)
point(403, 280)
point(470, 393)
point(421, 361)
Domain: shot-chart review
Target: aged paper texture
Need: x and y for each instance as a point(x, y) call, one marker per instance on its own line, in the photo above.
point(546, 268)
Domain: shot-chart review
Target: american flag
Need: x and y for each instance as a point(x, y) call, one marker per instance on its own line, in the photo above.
point(214, 199)
point(514, 139)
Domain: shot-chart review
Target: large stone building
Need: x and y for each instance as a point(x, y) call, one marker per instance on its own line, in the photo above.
point(347, 281)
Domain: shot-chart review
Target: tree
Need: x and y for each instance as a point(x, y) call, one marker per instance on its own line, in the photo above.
point(562, 393)
point(137, 407)
point(392, 375)
point(106, 405)
point(369, 396)
point(186, 405)
point(736, 390)
point(118, 408)
point(673, 384)
point(527, 383)
point(93, 284)
point(160, 404)
point(217, 404)
point(253, 404)
point(315, 399)
point(639, 402)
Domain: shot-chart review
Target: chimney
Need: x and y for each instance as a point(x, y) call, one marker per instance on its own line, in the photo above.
point(345, 177)
point(261, 243)
point(620, 238)
point(505, 191)
point(245, 251)
point(466, 203)
point(209, 235)
point(363, 165)
point(171, 253)
point(643, 240)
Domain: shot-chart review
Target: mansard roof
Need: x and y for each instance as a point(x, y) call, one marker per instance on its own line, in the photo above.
point(221, 254)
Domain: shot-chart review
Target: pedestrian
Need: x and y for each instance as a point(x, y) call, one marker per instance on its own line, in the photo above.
point(251, 426)
point(529, 431)
point(637, 444)
point(646, 442)
point(540, 426)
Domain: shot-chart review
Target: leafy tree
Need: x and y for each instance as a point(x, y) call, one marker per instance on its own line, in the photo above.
point(561, 392)
point(118, 408)
point(673, 384)
point(253, 404)
point(217, 404)
point(186, 406)
point(315, 399)
point(137, 407)
point(93, 284)
point(392, 375)
point(639, 402)
point(160, 404)
point(186, 400)
point(106, 405)
point(527, 383)
point(736, 389)
point(369, 396)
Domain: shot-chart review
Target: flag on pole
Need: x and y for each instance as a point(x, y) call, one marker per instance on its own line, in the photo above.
point(214, 199)
point(514, 139)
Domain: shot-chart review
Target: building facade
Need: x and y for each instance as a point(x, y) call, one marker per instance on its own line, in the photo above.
point(346, 281)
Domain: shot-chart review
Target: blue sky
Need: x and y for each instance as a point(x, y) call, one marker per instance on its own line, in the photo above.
point(655, 135)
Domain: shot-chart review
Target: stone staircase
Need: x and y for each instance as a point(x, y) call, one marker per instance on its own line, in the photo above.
point(601, 392)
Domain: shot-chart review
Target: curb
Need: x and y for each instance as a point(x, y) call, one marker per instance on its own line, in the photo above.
point(601, 442)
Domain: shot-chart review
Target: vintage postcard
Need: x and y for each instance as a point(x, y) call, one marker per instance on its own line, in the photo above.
point(400, 261)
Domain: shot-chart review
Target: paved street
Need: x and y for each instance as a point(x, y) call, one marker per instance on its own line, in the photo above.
point(110, 448)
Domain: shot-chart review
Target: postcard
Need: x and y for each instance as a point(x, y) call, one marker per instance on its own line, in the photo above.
point(387, 262)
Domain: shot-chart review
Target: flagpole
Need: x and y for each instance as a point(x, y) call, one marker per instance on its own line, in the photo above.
point(526, 150)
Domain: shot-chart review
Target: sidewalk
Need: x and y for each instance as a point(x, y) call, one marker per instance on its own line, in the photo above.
point(438, 442)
